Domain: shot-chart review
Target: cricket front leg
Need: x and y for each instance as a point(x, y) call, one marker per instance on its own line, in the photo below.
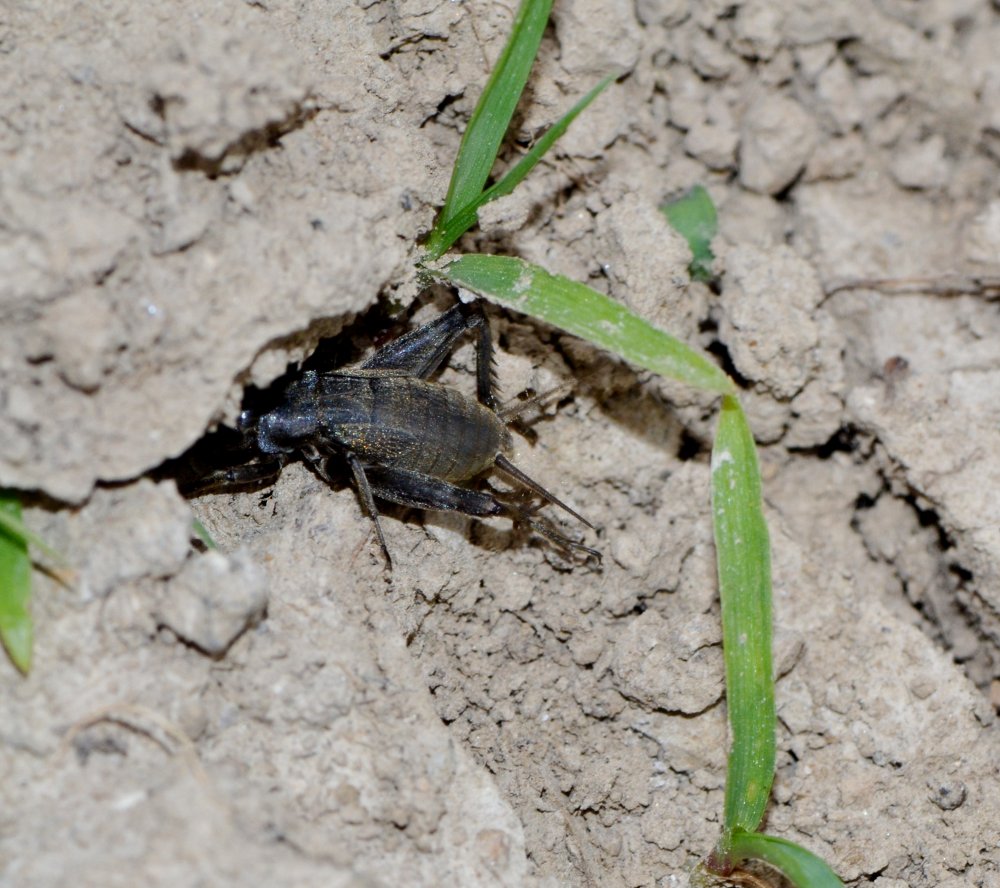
point(318, 460)
point(255, 474)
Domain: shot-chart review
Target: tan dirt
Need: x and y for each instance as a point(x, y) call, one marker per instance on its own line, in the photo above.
point(193, 195)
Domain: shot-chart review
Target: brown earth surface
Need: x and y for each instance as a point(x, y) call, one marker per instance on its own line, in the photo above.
point(193, 195)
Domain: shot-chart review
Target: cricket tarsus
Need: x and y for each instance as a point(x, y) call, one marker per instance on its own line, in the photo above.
point(406, 439)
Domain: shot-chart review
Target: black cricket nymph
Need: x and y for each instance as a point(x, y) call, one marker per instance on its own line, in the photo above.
point(406, 439)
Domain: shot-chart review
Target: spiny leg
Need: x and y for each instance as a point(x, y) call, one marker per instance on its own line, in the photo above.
point(318, 460)
point(258, 473)
point(545, 529)
point(512, 409)
point(424, 492)
point(365, 492)
point(485, 364)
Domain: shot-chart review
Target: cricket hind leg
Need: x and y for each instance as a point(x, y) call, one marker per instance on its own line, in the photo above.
point(424, 492)
point(422, 351)
point(540, 525)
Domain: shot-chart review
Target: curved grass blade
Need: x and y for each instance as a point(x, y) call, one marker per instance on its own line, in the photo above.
point(201, 532)
point(801, 867)
point(16, 627)
point(446, 233)
point(693, 216)
point(491, 118)
point(15, 527)
point(584, 312)
point(744, 563)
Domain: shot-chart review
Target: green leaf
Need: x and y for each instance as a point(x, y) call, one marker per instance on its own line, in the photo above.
point(201, 532)
point(801, 867)
point(12, 525)
point(447, 233)
point(584, 312)
point(693, 216)
point(489, 122)
point(744, 562)
point(16, 628)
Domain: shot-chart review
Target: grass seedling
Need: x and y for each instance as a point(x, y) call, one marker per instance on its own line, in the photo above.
point(16, 629)
point(489, 124)
point(200, 532)
point(741, 537)
point(693, 215)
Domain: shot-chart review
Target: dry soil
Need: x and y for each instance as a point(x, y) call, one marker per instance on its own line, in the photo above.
point(193, 195)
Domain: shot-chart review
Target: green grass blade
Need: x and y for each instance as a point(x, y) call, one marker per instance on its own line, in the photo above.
point(16, 628)
point(14, 527)
point(462, 220)
point(584, 312)
point(693, 216)
point(744, 563)
point(201, 532)
point(799, 866)
point(489, 122)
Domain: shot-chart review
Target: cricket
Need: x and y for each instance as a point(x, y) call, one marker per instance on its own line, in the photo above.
point(406, 438)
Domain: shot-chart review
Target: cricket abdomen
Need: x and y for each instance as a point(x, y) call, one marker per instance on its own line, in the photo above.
point(407, 423)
